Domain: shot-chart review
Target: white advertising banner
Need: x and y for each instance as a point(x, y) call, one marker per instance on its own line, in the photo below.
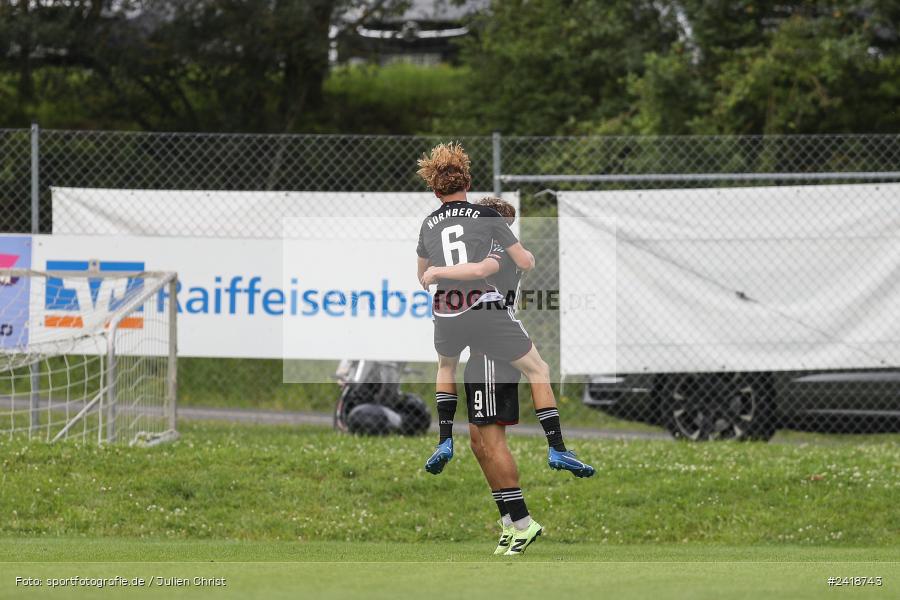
point(338, 282)
point(239, 297)
point(742, 279)
point(218, 213)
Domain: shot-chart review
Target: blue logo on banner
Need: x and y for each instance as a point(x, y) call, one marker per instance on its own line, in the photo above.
point(63, 306)
point(15, 292)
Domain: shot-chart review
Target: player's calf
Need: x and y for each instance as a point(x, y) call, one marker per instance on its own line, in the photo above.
point(446, 409)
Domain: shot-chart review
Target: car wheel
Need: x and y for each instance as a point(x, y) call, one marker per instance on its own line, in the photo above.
point(719, 406)
point(415, 413)
point(373, 419)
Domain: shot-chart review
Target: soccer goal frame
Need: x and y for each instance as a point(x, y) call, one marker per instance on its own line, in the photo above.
point(133, 371)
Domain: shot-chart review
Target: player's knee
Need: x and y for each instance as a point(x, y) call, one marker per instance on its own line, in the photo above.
point(494, 454)
point(475, 442)
point(487, 453)
point(491, 448)
point(477, 448)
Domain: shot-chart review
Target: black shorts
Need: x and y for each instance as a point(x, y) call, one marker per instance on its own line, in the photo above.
point(489, 327)
point(492, 391)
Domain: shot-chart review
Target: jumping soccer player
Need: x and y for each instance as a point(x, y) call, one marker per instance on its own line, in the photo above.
point(502, 275)
point(454, 233)
point(493, 401)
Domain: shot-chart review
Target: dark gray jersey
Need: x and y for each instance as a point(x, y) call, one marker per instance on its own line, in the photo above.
point(457, 233)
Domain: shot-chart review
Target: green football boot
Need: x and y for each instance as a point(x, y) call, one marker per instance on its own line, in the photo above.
point(523, 538)
point(506, 536)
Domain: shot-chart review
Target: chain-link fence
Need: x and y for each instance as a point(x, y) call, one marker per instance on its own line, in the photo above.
point(752, 282)
point(745, 295)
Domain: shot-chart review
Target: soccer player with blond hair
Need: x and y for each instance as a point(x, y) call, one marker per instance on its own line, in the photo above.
point(472, 312)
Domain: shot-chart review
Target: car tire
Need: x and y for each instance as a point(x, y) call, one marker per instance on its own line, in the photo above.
point(373, 419)
point(415, 413)
point(719, 406)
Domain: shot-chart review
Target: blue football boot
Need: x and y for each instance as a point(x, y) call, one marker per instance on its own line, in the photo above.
point(442, 455)
point(566, 461)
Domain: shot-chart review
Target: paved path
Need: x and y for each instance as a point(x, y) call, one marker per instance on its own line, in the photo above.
point(271, 417)
point(274, 417)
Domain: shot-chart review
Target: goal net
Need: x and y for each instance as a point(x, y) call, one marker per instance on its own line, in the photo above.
point(88, 354)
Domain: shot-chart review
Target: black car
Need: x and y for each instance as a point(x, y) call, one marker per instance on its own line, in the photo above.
point(708, 406)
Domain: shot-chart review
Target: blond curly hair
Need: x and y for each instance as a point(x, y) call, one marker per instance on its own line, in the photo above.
point(506, 210)
point(446, 170)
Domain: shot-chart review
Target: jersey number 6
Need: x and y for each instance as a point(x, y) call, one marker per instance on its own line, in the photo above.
point(456, 244)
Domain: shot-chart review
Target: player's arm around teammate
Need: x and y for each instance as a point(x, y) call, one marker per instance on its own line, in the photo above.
point(463, 272)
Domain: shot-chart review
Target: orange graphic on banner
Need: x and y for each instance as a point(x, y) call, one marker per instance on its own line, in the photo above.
point(54, 321)
point(70, 321)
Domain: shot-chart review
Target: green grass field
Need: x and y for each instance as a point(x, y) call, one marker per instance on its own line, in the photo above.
point(282, 512)
point(400, 570)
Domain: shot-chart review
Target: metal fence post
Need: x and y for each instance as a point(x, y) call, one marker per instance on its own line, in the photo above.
point(35, 179)
point(498, 165)
point(35, 396)
point(172, 383)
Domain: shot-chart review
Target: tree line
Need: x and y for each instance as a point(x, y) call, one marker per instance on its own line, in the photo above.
point(528, 67)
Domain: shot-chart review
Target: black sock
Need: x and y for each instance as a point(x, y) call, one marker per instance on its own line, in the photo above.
point(549, 418)
point(515, 503)
point(446, 407)
point(501, 505)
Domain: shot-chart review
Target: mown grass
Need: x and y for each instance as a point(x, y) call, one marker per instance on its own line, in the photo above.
point(230, 482)
point(335, 570)
point(49, 549)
